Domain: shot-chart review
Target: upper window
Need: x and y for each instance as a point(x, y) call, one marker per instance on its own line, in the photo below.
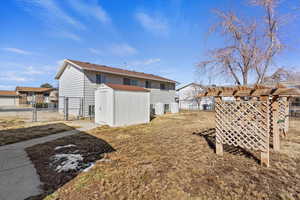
point(148, 84)
point(126, 81)
point(172, 86)
point(100, 78)
point(133, 82)
point(162, 86)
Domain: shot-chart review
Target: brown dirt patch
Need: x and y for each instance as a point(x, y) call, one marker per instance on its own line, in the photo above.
point(169, 159)
point(13, 135)
point(89, 147)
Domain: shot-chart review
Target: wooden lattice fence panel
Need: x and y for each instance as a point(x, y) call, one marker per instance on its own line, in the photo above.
point(244, 124)
point(282, 115)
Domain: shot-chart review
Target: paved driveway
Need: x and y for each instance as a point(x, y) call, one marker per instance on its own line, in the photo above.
point(18, 176)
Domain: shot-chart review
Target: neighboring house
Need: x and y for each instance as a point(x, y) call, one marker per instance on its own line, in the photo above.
point(78, 82)
point(187, 97)
point(8, 98)
point(29, 95)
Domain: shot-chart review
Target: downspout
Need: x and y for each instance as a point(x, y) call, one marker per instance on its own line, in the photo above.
point(83, 98)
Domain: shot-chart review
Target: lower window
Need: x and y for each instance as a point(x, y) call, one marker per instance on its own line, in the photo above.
point(167, 108)
point(91, 110)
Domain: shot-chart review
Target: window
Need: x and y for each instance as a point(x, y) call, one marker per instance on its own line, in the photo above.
point(91, 110)
point(167, 108)
point(133, 82)
point(162, 86)
point(172, 86)
point(148, 84)
point(100, 78)
point(126, 81)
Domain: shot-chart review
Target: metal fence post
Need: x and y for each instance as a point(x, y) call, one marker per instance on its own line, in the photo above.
point(34, 113)
point(66, 107)
point(81, 107)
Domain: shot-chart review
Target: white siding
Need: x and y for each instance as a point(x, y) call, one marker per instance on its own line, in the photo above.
point(162, 96)
point(121, 108)
point(109, 106)
point(131, 108)
point(8, 101)
point(71, 84)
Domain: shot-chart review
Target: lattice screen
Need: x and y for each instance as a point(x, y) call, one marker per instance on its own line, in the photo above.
point(282, 114)
point(244, 124)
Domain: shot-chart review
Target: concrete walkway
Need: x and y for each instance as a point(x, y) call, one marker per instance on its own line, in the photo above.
point(19, 179)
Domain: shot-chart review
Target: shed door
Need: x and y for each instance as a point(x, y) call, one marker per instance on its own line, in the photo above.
point(103, 108)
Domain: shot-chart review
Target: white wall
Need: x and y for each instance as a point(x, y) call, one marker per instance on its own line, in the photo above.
point(162, 96)
point(8, 101)
point(71, 84)
point(108, 106)
point(122, 107)
point(131, 108)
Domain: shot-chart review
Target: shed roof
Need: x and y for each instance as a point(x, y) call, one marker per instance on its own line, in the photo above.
point(8, 93)
point(126, 87)
point(112, 70)
point(33, 89)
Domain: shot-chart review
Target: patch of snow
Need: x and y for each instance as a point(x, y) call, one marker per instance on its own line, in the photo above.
point(66, 146)
point(88, 168)
point(104, 160)
point(67, 162)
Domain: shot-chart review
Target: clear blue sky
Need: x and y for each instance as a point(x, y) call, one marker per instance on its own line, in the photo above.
point(164, 37)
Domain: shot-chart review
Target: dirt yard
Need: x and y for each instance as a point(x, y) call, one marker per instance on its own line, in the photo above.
point(173, 158)
point(13, 135)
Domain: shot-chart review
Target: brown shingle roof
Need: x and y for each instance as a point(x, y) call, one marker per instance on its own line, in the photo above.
point(33, 89)
point(8, 93)
point(126, 87)
point(113, 70)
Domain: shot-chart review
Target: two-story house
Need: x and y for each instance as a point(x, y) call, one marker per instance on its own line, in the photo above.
point(187, 97)
point(78, 82)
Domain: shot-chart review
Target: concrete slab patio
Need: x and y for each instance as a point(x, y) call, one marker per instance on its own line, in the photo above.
point(18, 176)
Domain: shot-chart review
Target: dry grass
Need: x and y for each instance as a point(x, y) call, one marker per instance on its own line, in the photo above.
point(167, 160)
point(9, 122)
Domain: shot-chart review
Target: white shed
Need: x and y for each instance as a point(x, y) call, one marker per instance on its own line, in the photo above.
point(121, 105)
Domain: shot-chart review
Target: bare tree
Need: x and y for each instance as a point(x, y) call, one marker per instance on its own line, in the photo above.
point(251, 48)
point(283, 75)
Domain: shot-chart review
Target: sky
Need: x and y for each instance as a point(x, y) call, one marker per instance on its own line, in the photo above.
point(162, 37)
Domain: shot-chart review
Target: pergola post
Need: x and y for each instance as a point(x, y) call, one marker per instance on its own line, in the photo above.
point(276, 132)
point(287, 113)
point(265, 155)
point(219, 146)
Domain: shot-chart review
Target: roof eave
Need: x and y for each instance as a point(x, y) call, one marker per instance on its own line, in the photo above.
point(63, 67)
point(123, 74)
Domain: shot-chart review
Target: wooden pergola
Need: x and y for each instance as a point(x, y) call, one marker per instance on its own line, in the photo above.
point(251, 117)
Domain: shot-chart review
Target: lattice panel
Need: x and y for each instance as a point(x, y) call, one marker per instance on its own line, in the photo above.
point(281, 114)
point(243, 123)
